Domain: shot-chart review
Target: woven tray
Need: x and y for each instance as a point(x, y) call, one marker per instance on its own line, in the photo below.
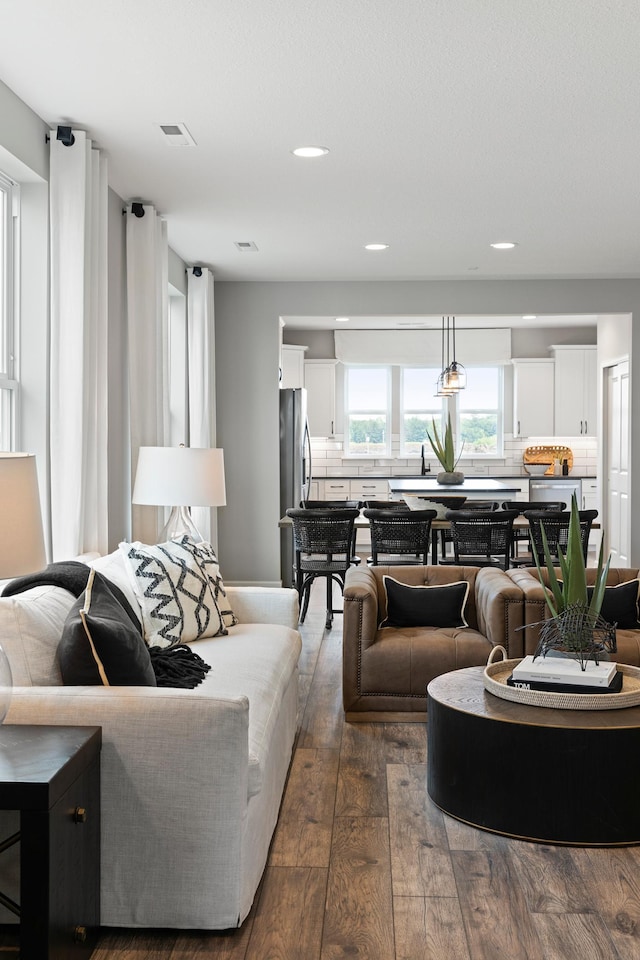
point(495, 682)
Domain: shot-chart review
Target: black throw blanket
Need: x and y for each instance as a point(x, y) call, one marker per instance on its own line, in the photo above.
point(176, 666)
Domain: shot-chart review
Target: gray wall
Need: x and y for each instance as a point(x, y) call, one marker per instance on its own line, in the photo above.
point(247, 325)
point(24, 152)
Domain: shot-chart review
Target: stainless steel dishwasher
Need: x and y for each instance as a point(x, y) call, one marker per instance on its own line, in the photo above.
point(556, 488)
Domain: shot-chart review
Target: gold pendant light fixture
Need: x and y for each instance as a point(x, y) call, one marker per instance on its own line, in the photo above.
point(453, 376)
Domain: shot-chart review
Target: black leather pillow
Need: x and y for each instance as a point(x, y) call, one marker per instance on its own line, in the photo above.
point(620, 604)
point(441, 605)
point(102, 642)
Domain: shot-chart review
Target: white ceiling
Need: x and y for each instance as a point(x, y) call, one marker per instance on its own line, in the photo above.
point(451, 124)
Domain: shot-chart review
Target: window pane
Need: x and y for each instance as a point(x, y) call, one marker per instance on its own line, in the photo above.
point(482, 390)
point(479, 433)
point(367, 435)
point(367, 387)
point(419, 408)
point(418, 389)
point(367, 411)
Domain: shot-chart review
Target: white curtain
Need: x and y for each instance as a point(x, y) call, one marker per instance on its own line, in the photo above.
point(78, 376)
point(201, 380)
point(148, 324)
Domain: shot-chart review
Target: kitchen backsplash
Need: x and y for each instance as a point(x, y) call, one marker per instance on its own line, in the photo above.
point(328, 460)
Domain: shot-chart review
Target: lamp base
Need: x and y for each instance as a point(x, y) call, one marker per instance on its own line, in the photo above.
point(180, 525)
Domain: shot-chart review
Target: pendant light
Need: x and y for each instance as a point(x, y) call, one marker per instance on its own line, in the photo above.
point(442, 388)
point(455, 374)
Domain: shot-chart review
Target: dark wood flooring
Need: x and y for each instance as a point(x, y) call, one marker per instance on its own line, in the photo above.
point(363, 865)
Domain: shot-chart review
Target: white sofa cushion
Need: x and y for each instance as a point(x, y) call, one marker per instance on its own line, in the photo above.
point(30, 627)
point(255, 660)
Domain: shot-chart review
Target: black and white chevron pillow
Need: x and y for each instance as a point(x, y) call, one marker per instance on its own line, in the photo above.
point(179, 589)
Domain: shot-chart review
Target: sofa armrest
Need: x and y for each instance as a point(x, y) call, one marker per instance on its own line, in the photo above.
point(499, 610)
point(534, 606)
point(264, 605)
point(174, 773)
point(360, 624)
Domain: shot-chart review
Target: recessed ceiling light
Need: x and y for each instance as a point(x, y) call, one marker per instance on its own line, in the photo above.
point(376, 246)
point(529, 316)
point(342, 319)
point(504, 245)
point(309, 152)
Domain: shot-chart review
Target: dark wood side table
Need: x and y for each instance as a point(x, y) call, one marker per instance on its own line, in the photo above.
point(535, 773)
point(52, 776)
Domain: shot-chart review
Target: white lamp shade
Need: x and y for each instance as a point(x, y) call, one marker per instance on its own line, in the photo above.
point(180, 476)
point(21, 537)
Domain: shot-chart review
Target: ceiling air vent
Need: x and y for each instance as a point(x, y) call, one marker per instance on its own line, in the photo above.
point(176, 135)
point(246, 246)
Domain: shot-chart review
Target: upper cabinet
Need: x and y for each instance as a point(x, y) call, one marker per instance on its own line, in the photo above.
point(320, 381)
point(292, 365)
point(533, 396)
point(576, 388)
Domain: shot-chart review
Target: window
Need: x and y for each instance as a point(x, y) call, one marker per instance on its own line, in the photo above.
point(419, 407)
point(480, 412)
point(367, 406)
point(8, 384)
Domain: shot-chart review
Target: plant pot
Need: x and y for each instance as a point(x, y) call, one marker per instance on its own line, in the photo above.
point(450, 477)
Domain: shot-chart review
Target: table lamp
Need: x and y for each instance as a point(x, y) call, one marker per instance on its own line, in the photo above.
point(180, 478)
point(21, 536)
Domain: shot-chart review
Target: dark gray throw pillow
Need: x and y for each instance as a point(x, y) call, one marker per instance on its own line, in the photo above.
point(440, 605)
point(102, 642)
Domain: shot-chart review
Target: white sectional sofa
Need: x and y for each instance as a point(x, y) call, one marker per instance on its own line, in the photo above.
point(191, 778)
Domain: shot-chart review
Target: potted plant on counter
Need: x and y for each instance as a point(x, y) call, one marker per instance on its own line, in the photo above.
point(444, 450)
point(575, 626)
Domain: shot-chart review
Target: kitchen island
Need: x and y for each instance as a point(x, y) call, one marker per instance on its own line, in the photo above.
point(471, 487)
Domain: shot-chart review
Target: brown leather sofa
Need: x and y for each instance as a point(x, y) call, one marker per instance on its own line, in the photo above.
point(387, 669)
point(535, 609)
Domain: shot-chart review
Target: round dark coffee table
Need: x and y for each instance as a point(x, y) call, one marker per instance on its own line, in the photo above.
point(535, 773)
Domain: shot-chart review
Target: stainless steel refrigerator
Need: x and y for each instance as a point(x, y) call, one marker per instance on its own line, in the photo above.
point(295, 467)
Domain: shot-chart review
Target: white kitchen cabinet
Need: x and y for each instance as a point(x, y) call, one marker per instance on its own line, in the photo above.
point(320, 381)
point(292, 365)
point(334, 490)
point(589, 494)
point(366, 489)
point(576, 388)
point(362, 488)
point(533, 397)
point(590, 498)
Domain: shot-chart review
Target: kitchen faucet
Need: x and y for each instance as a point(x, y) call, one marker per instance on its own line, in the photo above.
point(424, 468)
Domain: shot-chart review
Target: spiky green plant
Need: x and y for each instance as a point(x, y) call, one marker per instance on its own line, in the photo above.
point(443, 447)
point(573, 569)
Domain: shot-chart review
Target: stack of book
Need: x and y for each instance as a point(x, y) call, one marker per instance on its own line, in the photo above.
point(565, 675)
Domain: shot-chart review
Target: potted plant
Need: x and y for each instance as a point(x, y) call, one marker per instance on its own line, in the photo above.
point(575, 626)
point(445, 452)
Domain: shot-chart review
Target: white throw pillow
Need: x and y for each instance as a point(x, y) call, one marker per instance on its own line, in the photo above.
point(177, 585)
